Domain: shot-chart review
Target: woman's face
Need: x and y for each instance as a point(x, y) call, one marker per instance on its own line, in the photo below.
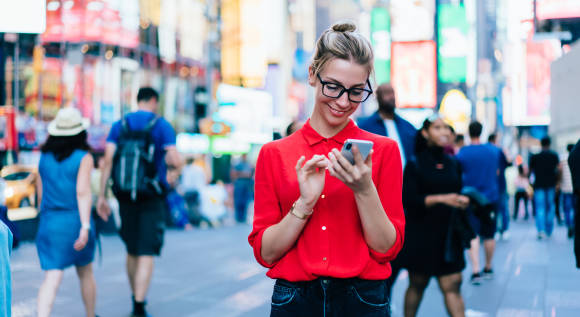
point(437, 134)
point(346, 73)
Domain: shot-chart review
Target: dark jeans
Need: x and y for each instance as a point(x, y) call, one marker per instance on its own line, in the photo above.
point(330, 297)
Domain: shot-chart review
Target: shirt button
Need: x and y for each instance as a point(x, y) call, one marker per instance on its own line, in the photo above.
point(323, 227)
point(322, 196)
point(324, 259)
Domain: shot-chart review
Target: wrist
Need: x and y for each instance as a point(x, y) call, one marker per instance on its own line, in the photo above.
point(86, 226)
point(304, 207)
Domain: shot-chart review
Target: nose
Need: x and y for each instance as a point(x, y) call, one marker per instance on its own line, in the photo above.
point(343, 101)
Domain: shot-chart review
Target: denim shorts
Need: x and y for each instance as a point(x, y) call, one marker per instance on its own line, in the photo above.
point(325, 297)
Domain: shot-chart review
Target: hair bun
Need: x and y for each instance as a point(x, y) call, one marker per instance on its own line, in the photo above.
point(344, 27)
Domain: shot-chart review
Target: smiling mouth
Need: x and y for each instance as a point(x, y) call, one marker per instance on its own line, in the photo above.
point(336, 111)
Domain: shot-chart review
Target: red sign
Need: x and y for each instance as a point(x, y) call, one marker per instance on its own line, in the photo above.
point(557, 9)
point(8, 136)
point(414, 74)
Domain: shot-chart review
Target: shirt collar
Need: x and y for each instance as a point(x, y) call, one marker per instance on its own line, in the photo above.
point(312, 137)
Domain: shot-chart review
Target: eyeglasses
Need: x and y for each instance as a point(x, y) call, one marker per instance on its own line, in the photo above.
point(334, 90)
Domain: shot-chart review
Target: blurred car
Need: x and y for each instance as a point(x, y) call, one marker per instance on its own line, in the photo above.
point(20, 189)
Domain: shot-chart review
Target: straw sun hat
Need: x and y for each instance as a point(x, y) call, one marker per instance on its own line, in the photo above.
point(68, 122)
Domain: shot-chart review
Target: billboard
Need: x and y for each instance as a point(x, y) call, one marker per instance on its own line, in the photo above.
point(453, 43)
point(381, 41)
point(22, 16)
point(414, 74)
point(412, 20)
point(538, 59)
point(557, 9)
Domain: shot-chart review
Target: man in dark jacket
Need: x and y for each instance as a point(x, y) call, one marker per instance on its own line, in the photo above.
point(574, 163)
point(386, 122)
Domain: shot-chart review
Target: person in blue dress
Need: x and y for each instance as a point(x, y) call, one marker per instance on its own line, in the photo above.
point(65, 236)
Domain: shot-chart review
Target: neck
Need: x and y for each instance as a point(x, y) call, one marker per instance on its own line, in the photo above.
point(323, 128)
point(475, 141)
point(387, 115)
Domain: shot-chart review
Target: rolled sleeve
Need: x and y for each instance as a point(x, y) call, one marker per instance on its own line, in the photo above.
point(168, 137)
point(389, 187)
point(267, 211)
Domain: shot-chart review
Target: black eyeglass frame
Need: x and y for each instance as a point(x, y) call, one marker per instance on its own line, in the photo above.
point(344, 89)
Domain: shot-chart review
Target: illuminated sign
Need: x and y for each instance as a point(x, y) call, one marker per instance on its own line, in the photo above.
point(539, 57)
point(414, 74)
point(557, 9)
point(456, 109)
point(412, 20)
point(22, 16)
point(243, 45)
point(453, 43)
point(381, 41)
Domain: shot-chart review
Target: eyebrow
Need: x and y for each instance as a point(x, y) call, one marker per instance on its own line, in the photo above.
point(353, 86)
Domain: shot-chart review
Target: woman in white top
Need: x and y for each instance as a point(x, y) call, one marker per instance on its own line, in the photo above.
point(522, 185)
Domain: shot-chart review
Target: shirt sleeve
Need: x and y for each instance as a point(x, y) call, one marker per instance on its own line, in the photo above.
point(267, 211)
point(167, 134)
point(390, 187)
point(114, 133)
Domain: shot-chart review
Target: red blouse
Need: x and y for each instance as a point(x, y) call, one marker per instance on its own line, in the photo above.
point(332, 243)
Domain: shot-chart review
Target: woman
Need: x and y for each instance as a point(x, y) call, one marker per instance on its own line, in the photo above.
point(65, 237)
point(523, 190)
point(437, 228)
point(325, 228)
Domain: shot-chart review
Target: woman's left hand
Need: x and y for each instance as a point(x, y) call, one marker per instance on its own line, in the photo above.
point(82, 240)
point(357, 177)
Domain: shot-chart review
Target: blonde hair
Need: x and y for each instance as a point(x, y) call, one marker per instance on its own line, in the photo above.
point(342, 41)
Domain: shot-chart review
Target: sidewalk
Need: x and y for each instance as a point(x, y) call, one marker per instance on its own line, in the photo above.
point(213, 273)
point(532, 278)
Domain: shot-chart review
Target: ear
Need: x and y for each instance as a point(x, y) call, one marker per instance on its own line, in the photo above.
point(425, 134)
point(311, 76)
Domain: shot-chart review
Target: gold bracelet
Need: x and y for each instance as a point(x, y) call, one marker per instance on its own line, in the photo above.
point(299, 214)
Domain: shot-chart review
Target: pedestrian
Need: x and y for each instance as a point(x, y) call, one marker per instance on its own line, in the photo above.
point(193, 181)
point(325, 228)
point(242, 178)
point(66, 234)
point(567, 192)
point(293, 126)
point(574, 164)
point(142, 207)
point(502, 204)
point(459, 142)
point(386, 122)
point(480, 165)
point(5, 275)
point(523, 192)
point(435, 219)
point(545, 168)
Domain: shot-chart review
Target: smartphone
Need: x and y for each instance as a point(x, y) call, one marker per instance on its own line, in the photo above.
point(364, 148)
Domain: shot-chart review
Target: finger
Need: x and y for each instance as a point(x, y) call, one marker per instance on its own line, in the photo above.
point(343, 161)
point(333, 173)
point(338, 168)
point(311, 164)
point(369, 160)
point(300, 162)
point(358, 160)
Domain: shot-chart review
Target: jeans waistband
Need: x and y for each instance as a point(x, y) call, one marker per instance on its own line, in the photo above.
point(327, 281)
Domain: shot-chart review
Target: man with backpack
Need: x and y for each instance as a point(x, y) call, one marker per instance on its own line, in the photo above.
point(140, 149)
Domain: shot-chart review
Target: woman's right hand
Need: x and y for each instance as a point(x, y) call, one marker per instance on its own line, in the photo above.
point(311, 178)
point(82, 240)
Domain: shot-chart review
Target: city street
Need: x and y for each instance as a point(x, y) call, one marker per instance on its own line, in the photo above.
point(212, 272)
